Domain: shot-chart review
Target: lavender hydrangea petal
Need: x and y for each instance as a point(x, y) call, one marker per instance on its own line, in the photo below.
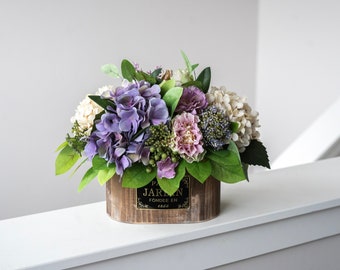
point(91, 148)
point(150, 92)
point(121, 164)
point(158, 112)
point(129, 121)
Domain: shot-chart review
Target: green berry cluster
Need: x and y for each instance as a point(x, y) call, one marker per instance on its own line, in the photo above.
point(159, 142)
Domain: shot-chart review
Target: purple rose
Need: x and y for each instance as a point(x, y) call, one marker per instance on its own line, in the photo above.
point(192, 100)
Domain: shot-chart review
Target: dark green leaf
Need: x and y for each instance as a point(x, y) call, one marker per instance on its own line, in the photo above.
point(97, 117)
point(87, 178)
point(256, 154)
point(136, 176)
point(193, 83)
point(226, 165)
point(102, 102)
point(199, 170)
point(139, 76)
point(147, 77)
point(111, 70)
point(66, 159)
point(245, 170)
point(172, 98)
point(156, 72)
point(204, 78)
point(128, 70)
point(170, 186)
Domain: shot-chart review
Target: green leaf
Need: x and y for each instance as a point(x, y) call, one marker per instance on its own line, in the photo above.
point(194, 66)
point(102, 102)
point(170, 186)
point(199, 170)
point(190, 67)
point(98, 163)
point(256, 154)
point(106, 174)
point(87, 178)
point(61, 146)
point(172, 97)
point(136, 176)
point(128, 70)
point(66, 159)
point(139, 76)
point(194, 83)
point(111, 70)
point(187, 62)
point(226, 165)
point(167, 85)
point(204, 78)
point(147, 77)
point(234, 126)
point(77, 168)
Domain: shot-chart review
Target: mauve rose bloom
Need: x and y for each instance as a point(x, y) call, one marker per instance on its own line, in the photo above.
point(187, 137)
point(192, 100)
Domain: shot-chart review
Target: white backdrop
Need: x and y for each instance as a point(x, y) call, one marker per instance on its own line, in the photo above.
point(50, 58)
point(298, 67)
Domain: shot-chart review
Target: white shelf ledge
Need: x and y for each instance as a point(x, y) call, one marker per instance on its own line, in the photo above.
point(277, 210)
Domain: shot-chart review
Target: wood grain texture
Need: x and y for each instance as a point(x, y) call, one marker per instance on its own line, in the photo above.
point(121, 204)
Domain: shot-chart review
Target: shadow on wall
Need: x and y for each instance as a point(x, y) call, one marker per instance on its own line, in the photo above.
point(320, 141)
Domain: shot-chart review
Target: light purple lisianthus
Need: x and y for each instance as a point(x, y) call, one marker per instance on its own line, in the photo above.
point(187, 137)
point(192, 100)
point(166, 168)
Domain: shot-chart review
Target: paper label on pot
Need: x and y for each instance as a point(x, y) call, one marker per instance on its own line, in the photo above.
point(152, 196)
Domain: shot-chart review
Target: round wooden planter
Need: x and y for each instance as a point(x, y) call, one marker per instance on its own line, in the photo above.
point(193, 202)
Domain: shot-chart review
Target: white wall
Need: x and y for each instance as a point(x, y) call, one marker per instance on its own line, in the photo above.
point(298, 67)
point(50, 55)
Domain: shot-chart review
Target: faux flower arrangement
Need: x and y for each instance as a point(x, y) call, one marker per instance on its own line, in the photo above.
point(162, 124)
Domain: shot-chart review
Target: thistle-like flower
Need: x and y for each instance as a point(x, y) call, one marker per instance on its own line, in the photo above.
point(215, 127)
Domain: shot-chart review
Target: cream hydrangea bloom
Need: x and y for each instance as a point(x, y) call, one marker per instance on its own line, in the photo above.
point(87, 109)
point(239, 111)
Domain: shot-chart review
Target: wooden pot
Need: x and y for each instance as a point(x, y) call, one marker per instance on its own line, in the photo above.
point(193, 202)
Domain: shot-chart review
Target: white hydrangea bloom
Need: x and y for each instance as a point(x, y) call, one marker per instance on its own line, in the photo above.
point(239, 111)
point(87, 109)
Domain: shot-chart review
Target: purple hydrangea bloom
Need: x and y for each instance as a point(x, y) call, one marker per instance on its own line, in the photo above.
point(192, 100)
point(137, 106)
point(166, 168)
